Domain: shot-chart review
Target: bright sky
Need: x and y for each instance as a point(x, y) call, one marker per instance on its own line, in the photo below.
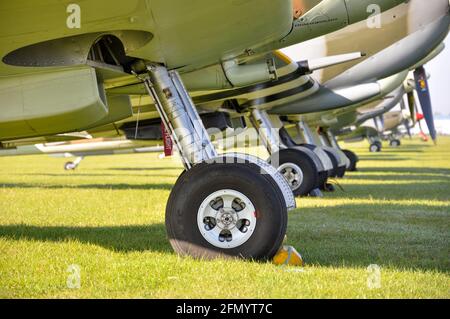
point(439, 82)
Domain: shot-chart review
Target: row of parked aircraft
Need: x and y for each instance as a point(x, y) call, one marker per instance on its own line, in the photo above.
point(106, 77)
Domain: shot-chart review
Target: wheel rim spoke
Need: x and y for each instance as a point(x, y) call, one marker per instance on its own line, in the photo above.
point(215, 232)
point(235, 232)
point(228, 201)
point(210, 212)
point(247, 213)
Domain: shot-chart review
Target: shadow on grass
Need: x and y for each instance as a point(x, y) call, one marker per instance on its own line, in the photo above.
point(382, 158)
point(399, 236)
point(399, 170)
point(408, 237)
point(138, 169)
point(121, 238)
point(71, 174)
point(121, 186)
point(434, 183)
point(404, 174)
point(398, 151)
point(436, 190)
point(392, 178)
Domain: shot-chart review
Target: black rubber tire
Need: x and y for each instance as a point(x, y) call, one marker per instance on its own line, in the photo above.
point(323, 175)
point(195, 185)
point(353, 160)
point(329, 188)
point(335, 162)
point(342, 170)
point(311, 178)
point(323, 180)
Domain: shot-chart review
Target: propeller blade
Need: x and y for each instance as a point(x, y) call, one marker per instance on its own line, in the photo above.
point(423, 92)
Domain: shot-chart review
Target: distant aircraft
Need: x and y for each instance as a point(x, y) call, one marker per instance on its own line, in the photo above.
point(376, 121)
point(376, 73)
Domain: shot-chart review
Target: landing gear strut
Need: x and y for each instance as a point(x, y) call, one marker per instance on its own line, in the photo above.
point(346, 161)
point(232, 205)
point(314, 142)
point(295, 163)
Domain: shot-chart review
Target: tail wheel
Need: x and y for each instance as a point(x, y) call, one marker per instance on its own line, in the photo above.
point(395, 143)
point(375, 147)
point(353, 160)
point(298, 169)
point(226, 210)
point(70, 166)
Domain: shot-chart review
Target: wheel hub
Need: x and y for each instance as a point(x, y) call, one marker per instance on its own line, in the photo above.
point(226, 219)
point(293, 175)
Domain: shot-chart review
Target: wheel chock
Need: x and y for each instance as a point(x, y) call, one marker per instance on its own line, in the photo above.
point(316, 193)
point(288, 256)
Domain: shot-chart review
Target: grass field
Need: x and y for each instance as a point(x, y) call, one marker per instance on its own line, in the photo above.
point(108, 218)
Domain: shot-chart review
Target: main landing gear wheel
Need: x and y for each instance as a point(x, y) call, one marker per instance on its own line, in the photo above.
point(326, 186)
point(226, 210)
point(353, 160)
point(375, 147)
point(395, 143)
point(298, 169)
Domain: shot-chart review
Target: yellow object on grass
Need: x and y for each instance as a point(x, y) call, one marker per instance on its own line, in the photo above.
point(288, 256)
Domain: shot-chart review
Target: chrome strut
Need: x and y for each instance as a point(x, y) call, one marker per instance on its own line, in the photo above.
point(267, 130)
point(179, 115)
point(324, 141)
point(305, 133)
point(333, 141)
point(314, 138)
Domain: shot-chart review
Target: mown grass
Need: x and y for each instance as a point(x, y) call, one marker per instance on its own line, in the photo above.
point(108, 218)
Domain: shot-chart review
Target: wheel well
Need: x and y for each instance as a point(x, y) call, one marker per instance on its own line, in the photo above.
point(104, 47)
point(109, 49)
